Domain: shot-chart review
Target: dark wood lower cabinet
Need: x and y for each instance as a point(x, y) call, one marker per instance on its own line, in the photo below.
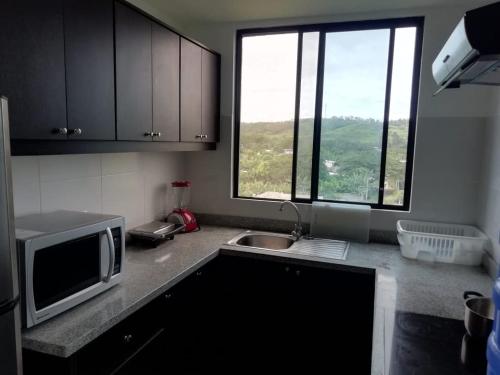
point(241, 314)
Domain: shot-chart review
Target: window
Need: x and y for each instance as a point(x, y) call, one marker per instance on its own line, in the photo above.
point(327, 112)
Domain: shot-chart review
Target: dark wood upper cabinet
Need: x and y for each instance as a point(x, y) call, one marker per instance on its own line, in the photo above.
point(165, 84)
point(134, 99)
point(103, 70)
point(32, 73)
point(210, 96)
point(190, 91)
point(199, 93)
point(90, 83)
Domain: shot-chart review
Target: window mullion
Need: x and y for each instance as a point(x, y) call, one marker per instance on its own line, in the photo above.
point(237, 109)
point(410, 148)
point(385, 132)
point(297, 116)
point(318, 113)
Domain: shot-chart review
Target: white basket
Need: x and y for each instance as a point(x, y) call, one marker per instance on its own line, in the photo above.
point(440, 242)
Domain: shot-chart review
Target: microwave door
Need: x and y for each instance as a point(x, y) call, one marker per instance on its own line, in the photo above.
point(108, 255)
point(63, 270)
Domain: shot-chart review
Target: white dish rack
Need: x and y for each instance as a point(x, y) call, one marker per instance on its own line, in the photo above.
point(441, 242)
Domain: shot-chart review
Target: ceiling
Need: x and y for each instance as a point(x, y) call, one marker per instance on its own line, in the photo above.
point(250, 10)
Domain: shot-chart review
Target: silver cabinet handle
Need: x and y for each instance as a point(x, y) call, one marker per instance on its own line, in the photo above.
point(158, 134)
point(200, 136)
point(205, 136)
point(76, 131)
point(127, 338)
point(111, 249)
point(61, 131)
point(148, 134)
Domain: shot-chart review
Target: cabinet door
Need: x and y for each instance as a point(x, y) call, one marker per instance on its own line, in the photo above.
point(337, 308)
point(165, 84)
point(134, 94)
point(210, 96)
point(32, 67)
point(122, 343)
point(90, 83)
point(190, 92)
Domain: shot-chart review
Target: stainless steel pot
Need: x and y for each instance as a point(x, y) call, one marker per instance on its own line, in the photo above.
point(479, 314)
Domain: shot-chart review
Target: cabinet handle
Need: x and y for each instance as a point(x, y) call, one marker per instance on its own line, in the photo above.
point(205, 136)
point(127, 338)
point(148, 134)
point(168, 295)
point(198, 273)
point(60, 131)
point(76, 131)
point(158, 134)
point(200, 136)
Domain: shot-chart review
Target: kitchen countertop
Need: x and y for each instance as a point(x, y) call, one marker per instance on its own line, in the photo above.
point(402, 285)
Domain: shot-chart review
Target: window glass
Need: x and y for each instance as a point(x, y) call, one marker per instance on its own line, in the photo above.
point(399, 115)
point(343, 79)
point(309, 73)
point(354, 86)
point(267, 111)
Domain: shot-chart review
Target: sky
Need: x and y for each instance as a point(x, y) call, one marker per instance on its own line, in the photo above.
point(354, 80)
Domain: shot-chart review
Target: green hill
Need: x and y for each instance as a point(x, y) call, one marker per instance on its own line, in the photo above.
point(349, 158)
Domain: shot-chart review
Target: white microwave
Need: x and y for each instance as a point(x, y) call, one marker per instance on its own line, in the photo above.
point(65, 258)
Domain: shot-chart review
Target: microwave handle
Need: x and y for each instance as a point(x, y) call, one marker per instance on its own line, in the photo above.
point(111, 249)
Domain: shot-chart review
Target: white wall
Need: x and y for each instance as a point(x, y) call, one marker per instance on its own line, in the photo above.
point(151, 9)
point(131, 184)
point(489, 195)
point(448, 146)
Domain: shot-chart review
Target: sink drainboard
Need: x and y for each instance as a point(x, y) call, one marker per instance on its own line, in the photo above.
point(331, 249)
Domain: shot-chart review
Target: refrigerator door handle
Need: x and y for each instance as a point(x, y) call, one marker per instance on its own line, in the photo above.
point(9, 305)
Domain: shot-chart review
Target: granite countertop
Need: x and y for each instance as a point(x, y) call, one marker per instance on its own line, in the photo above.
point(402, 285)
point(409, 286)
point(148, 272)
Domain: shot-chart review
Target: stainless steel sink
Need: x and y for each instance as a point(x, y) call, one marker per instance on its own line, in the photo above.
point(265, 241)
point(315, 247)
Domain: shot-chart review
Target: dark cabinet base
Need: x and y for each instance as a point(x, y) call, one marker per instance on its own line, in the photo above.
point(244, 314)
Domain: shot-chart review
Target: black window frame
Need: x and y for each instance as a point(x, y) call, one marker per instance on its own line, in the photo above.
point(323, 29)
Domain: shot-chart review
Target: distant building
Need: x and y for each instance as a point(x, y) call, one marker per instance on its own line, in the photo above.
point(331, 167)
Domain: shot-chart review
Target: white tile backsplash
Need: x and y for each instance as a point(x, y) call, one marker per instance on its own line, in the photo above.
point(69, 167)
point(26, 180)
point(130, 184)
point(158, 200)
point(123, 194)
point(82, 194)
point(120, 163)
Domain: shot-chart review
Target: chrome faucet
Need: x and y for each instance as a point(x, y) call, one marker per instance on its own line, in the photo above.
point(297, 232)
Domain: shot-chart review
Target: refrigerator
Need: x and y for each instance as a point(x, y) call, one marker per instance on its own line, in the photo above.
point(10, 321)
